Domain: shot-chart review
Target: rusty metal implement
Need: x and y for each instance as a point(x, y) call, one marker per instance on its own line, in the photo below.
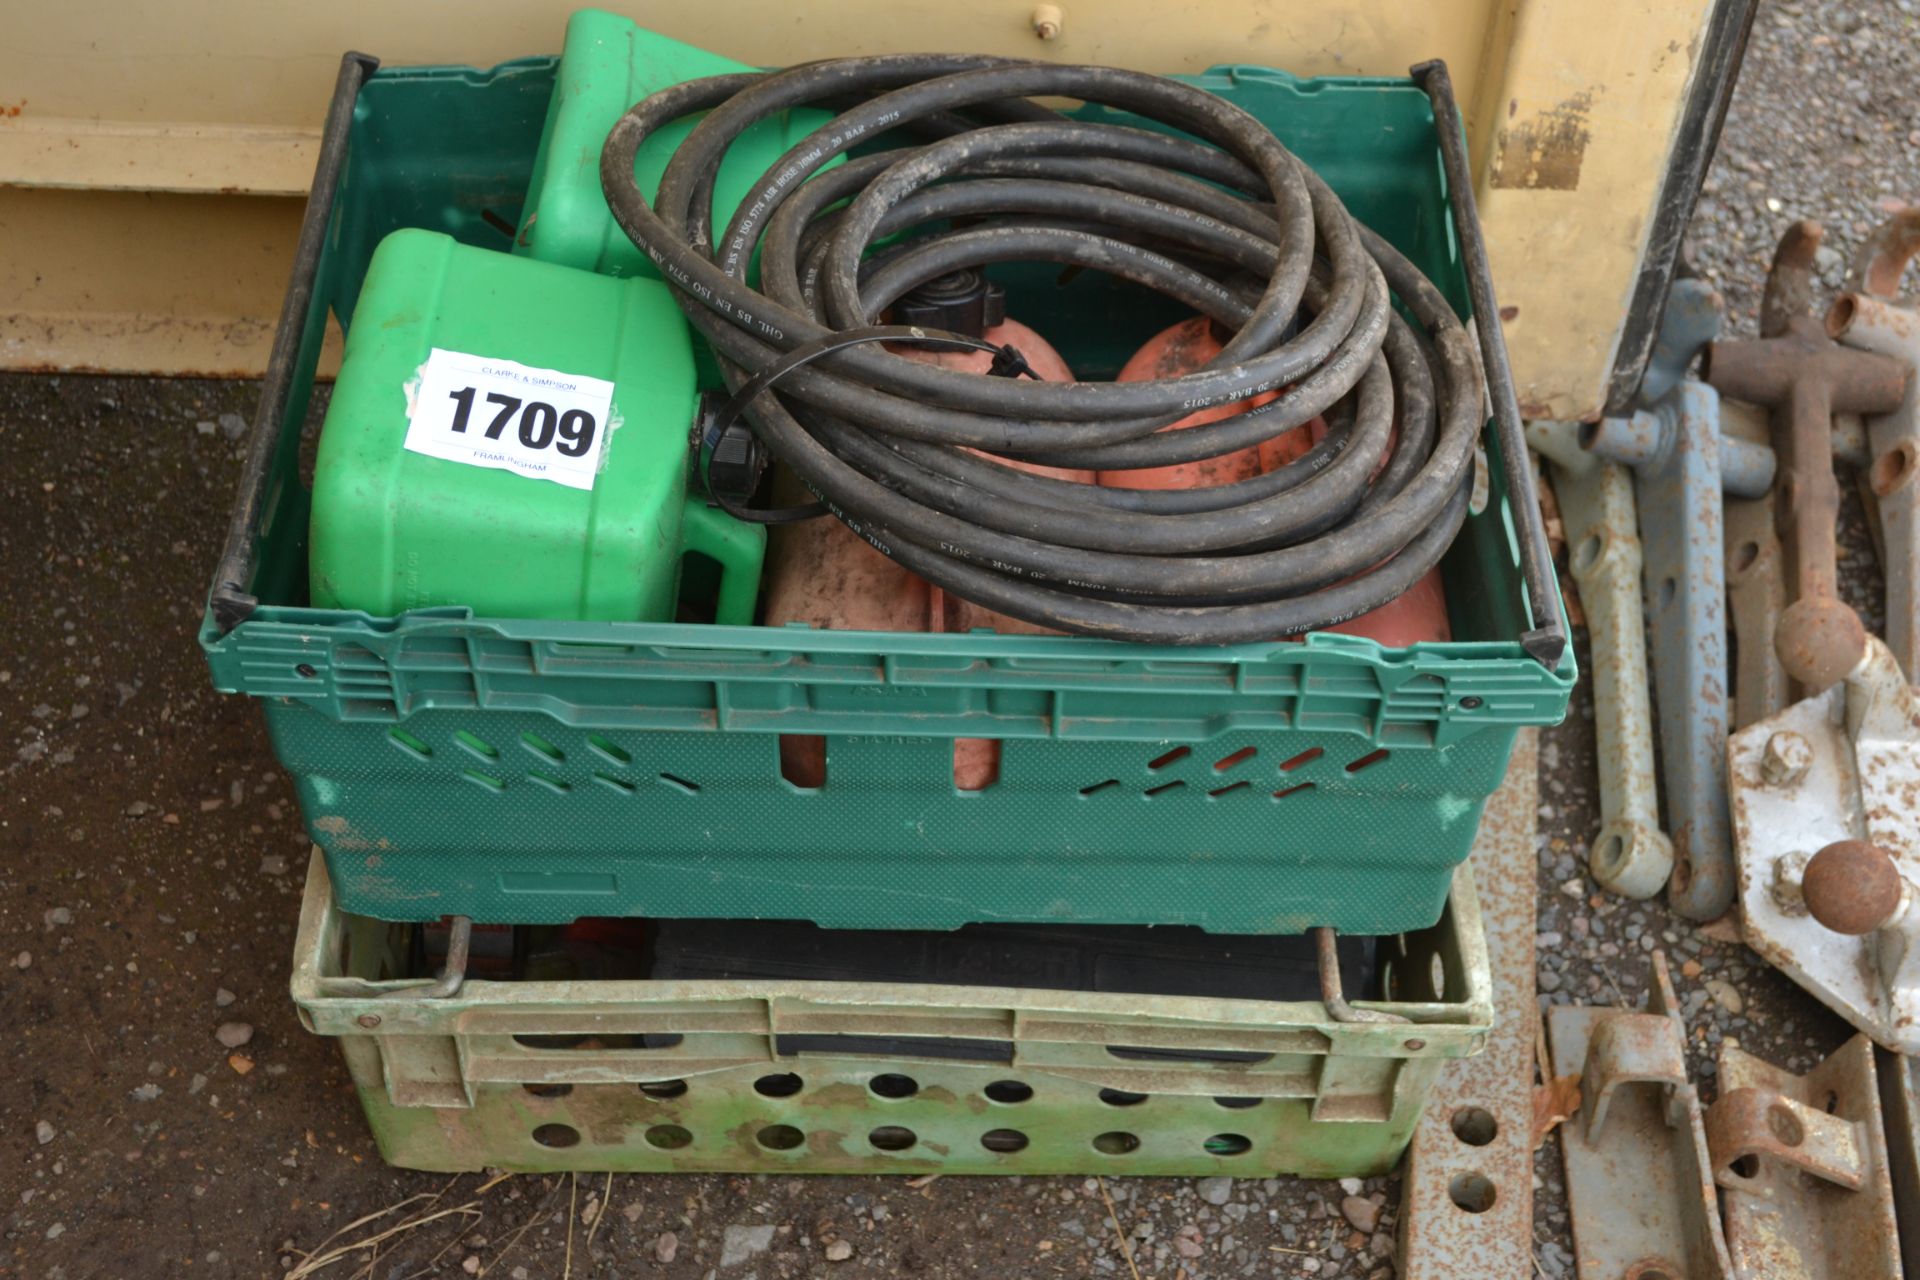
point(1631, 855)
point(1865, 318)
point(1826, 820)
point(1802, 1164)
point(1756, 584)
point(1639, 1182)
point(1682, 464)
point(1804, 377)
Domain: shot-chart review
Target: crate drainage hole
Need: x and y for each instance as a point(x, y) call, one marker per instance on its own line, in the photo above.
point(892, 1137)
point(679, 783)
point(1004, 1140)
point(1368, 760)
point(1008, 1092)
point(1165, 787)
point(1244, 753)
point(664, 1089)
point(476, 744)
point(1177, 754)
point(1475, 1126)
point(409, 744)
point(1473, 1192)
point(1293, 790)
point(894, 1086)
point(1238, 1104)
point(609, 749)
point(557, 1136)
point(612, 783)
point(1116, 1143)
point(1306, 757)
point(780, 1137)
point(1228, 1144)
point(668, 1137)
point(486, 780)
point(542, 748)
point(1099, 786)
point(784, 1085)
point(1121, 1098)
point(548, 1090)
point(1241, 785)
point(552, 784)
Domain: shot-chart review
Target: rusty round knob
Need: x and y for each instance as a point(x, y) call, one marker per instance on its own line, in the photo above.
point(1819, 641)
point(1851, 887)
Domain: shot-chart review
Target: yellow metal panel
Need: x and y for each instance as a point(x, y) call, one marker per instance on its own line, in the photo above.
point(1577, 137)
point(119, 155)
point(272, 62)
point(1571, 110)
point(128, 282)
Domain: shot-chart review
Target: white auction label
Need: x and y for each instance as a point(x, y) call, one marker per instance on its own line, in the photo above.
point(488, 412)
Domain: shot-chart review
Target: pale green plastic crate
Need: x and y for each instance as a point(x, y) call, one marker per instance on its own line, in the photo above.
point(684, 1076)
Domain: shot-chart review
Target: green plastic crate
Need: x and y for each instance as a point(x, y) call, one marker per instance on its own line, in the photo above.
point(538, 771)
point(679, 1076)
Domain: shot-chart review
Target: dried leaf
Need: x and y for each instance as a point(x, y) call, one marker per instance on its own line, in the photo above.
point(1554, 1102)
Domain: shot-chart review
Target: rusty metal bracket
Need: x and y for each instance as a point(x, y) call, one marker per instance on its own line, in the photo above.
point(1630, 855)
point(1466, 1204)
point(1866, 319)
point(1749, 1124)
point(1639, 1184)
point(1802, 1164)
point(1826, 819)
point(1682, 463)
point(1804, 377)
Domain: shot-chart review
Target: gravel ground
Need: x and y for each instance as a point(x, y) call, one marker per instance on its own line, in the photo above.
point(170, 1115)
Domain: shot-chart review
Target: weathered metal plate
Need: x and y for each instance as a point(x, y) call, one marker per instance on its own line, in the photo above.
point(1790, 1214)
point(1467, 1200)
point(1861, 781)
point(1639, 1186)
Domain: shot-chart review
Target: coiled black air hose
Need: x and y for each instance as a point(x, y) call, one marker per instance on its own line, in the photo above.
point(895, 447)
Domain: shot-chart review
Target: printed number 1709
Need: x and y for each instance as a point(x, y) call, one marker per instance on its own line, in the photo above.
point(570, 434)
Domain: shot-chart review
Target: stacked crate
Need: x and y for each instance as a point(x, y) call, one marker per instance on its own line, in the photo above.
point(523, 772)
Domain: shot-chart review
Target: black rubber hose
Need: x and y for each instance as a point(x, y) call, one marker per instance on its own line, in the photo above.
point(1197, 201)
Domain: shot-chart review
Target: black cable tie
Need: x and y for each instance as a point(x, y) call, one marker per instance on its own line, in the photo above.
point(1009, 363)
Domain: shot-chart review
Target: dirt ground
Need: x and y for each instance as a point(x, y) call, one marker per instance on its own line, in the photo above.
point(169, 1115)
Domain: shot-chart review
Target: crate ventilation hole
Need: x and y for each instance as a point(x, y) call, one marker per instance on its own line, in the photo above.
point(493, 777)
point(1223, 767)
point(884, 1137)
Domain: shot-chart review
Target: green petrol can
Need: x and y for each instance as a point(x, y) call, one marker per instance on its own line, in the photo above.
point(512, 436)
point(607, 65)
